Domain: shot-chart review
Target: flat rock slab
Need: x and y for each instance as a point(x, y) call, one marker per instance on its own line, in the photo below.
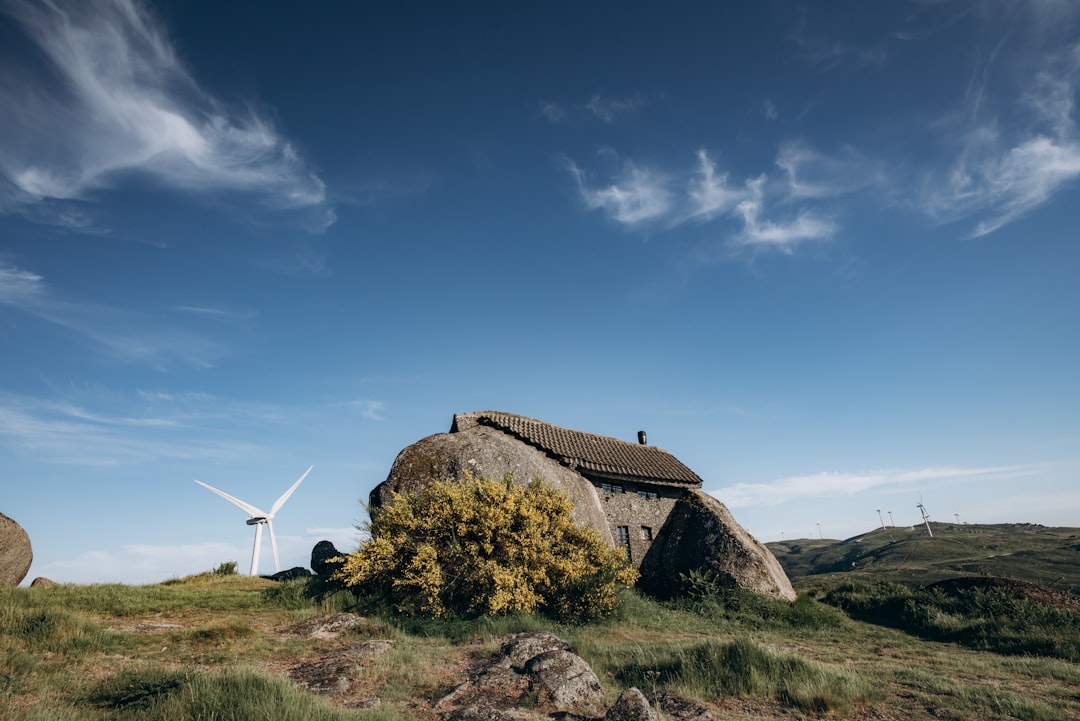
point(326, 627)
point(331, 675)
point(16, 555)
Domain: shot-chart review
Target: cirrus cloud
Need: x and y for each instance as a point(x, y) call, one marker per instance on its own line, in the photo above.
point(114, 99)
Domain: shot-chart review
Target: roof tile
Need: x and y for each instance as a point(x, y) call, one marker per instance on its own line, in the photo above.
point(587, 451)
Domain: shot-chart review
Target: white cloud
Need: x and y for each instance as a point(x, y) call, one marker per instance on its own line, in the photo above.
point(634, 196)
point(142, 563)
point(553, 112)
point(607, 108)
point(813, 175)
point(128, 336)
point(117, 101)
point(637, 197)
point(831, 484)
point(1018, 142)
point(372, 410)
point(709, 194)
point(68, 434)
point(762, 232)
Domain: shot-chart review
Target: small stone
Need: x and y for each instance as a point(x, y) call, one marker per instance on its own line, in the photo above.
point(564, 680)
point(631, 706)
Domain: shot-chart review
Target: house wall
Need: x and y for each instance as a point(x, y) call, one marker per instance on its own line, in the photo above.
point(636, 513)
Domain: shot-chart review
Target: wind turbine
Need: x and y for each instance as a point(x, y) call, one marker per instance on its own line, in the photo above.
point(259, 518)
point(925, 517)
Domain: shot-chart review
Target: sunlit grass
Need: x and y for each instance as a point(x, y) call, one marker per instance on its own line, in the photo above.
point(117, 652)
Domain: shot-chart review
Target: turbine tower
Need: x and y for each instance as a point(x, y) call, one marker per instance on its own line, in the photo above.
point(260, 518)
point(925, 518)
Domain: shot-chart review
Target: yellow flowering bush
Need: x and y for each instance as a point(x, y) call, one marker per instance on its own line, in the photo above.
point(486, 547)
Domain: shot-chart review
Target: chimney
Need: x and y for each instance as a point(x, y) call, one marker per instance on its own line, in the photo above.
point(641, 438)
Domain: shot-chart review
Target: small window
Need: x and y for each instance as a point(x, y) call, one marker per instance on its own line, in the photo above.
point(650, 495)
point(646, 534)
point(611, 488)
point(622, 534)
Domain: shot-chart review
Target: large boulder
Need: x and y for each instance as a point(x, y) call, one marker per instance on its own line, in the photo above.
point(701, 534)
point(16, 554)
point(324, 559)
point(487, 452)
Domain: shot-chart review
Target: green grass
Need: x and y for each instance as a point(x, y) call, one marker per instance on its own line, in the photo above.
point(1046, 555)
point(159, 694)
point(991, 619)
point(213, 651)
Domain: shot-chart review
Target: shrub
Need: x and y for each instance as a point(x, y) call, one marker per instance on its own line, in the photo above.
point(485, 547)
point(226, 568)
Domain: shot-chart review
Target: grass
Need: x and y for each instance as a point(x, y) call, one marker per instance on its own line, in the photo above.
point(210, 647)
point(1023, 551)
point(992, 618)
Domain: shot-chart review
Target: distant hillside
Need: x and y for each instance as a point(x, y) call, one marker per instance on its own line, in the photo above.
point(1022, 551)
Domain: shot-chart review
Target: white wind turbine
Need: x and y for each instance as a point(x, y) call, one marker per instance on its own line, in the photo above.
point(259, 518)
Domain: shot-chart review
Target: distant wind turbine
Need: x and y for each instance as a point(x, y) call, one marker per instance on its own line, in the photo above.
point(259, 518)
point(925, 516)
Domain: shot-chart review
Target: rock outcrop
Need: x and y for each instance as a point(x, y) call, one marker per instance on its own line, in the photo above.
point(16, 554)
point(289, 574)
point(332, 674)
point(322, 562)
point(487, 452)
point(536, 665)
point(701, 534)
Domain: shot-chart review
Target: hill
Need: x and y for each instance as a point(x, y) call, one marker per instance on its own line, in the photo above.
point(228, 647)
point(1023, 551)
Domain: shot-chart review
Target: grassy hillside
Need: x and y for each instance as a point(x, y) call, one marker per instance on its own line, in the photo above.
point(212, 647)
point(1028, 552)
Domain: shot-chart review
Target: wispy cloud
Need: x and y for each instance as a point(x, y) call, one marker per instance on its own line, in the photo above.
point(634, 196)
point(69, 434)
point(1016, 128)
point(758, 213)
point(125, 335)
point(605, 108)
point(372, 410)
point(553, 112)
point(784, 234)
point(831, 484)
point(708, 193)
point(116, 100)
point(609, 108)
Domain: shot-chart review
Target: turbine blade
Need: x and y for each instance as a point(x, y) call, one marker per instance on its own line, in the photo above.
point(255, 550)
point(252, 510)
point(273, 544)
point(285, 496)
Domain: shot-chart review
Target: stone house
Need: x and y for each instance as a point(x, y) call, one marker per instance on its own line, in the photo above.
point(635, 495)
point(637, 484)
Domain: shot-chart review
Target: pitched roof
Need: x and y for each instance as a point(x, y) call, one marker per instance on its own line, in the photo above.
point(586, 451)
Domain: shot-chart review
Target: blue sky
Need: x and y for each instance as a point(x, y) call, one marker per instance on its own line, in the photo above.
point(825, 253)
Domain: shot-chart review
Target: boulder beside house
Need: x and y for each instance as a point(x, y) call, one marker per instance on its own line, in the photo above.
point(637, 496)
point(16, 554)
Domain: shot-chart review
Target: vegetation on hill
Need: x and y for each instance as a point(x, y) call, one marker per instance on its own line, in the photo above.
point(1022, 551)
point(212, 646)
point(485, 547)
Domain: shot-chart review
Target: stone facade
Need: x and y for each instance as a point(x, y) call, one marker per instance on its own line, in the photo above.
point(635, 495)
point(636, 512)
